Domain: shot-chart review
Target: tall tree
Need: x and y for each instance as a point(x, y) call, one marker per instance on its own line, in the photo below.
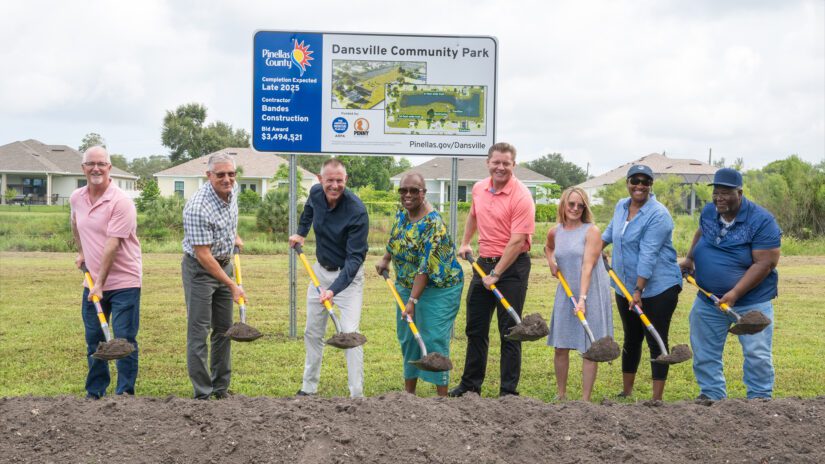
point(374, 171)
point(187, 138)
point(119, 161)
point(555, 167)
point(90, 140)
point(148, 166)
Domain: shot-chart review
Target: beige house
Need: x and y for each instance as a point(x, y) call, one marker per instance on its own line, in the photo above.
point(258, 169)
point(437, 174)
point(690, 170)
point(48, 174)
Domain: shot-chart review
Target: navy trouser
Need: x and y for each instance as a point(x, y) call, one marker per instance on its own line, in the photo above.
point(122, 310)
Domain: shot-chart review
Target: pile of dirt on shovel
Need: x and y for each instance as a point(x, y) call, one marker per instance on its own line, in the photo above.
point(751, 323)
point(346, 340)
point(401, 428)
point(532, 327)
point(241, 332)
point(435, 362)
point(604, 349)
point(114, 349)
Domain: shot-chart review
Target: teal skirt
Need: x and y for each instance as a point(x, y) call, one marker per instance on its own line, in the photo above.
point(434, 317)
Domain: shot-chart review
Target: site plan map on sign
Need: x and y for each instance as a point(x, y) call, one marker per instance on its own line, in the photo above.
point(359, 84)
point(435, 109)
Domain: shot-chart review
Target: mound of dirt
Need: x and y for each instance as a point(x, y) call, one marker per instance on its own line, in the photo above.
point(115, 349)
point(346, 340)
point(241, 332)
point(678, 354)
point(751, 323)
point(532, 327)
point(401, 428)
point(435, 362)
point(603, 350)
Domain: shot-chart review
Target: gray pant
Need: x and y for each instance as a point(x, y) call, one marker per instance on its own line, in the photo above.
point(349, 303)
point(208, 306)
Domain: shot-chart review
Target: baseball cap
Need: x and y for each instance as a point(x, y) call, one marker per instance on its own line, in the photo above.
point(639, 169)
point(727, 177)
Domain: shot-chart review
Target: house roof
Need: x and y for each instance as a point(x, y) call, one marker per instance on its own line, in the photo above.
point(469, 169)
point(256, 164)
point(33, 156)
point(690, 170)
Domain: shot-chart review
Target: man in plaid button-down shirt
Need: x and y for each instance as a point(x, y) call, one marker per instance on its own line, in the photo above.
point(210, 224)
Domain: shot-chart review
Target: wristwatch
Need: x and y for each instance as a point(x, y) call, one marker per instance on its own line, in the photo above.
point(637, 289)
point(414, 300)
point(493, 273)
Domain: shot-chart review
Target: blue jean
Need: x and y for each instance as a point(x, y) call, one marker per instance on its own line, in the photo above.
point(708, 333)
point(122, 310)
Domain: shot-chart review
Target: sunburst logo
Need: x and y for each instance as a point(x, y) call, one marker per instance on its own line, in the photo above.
point(301, 55)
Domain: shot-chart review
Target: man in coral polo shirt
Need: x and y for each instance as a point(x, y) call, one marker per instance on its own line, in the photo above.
point(104, 223)
point(503, 213)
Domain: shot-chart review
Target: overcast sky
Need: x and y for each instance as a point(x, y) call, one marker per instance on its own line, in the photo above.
point(602, 82)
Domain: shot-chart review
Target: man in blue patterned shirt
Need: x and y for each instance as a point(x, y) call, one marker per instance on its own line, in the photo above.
point(210, 224)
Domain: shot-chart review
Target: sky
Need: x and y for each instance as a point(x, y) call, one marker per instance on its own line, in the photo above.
point(601, 82)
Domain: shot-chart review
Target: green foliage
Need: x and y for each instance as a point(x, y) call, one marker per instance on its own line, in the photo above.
point(163, 218)
point(546, 213)
point(273, 214)
point(148, 166)
point(371, 170)
point(149, 192)
point(186, 136)
point(90, 140)
point(671, 192)
point(381, 207)
point(311, 163)
point(555, 167)
point(119, 161)
point(11, 192)
point(281, 180)
point(548, 191)
point(368, 194)
point(248, 201)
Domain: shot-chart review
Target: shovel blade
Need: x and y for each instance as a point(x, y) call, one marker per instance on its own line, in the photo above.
point(433, 362)
point(533, 327)
point(751, 323)
point(118, 348)
point(241, 332)
point(678, 354)
point(603, 350)
point(346, 340)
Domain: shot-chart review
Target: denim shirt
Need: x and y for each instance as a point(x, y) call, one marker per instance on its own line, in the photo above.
point(645, 249)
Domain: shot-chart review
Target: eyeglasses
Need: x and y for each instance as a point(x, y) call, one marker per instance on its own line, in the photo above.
point(646, 181)
point(221, 175)
point(722, 232)
point(92, 164)
point(573, 205)
point(411, 190)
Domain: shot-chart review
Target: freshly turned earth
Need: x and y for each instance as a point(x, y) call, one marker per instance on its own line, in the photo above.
point(532, 327)
point(435, 362)
point(678, 353)
point(401, 428)
point(115, 349)
point(751, 323)
point(603, 350)
point(241, 332)
point(347, 340)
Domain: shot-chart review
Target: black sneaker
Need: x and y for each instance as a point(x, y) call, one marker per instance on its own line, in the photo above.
point(503, 393)
point(221, 395)
point(458, 391)
point(622, 395)
point(303, 393)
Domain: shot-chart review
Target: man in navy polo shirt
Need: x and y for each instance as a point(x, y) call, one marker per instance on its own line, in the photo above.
point(734, 255)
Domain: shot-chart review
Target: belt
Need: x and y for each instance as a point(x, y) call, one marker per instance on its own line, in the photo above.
point(330, 268)
point(222, 261)
point(496, 259)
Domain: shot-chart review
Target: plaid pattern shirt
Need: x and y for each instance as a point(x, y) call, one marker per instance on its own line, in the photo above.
point(208, 220)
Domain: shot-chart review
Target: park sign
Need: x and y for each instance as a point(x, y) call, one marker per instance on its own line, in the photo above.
point(382, 94)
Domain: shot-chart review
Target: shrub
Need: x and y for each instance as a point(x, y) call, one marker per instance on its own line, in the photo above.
point(248, 201)
point(273, 214)
point(546, 213)
point(148, 194)
point(164, 217)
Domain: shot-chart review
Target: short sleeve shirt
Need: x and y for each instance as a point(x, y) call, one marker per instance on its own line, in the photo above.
point(208, 220)
point(723, 254)
point(500, 214)
point(423, 247)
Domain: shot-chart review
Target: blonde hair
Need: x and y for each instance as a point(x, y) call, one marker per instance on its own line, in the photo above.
point(587, 215)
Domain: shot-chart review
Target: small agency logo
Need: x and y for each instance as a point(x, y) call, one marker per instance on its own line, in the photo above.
point(361, 127)
point(340, 125)
point(301, 55)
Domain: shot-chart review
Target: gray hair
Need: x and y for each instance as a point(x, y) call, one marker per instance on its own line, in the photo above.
point(96, 148)
point(414, 175)
point(220, 158)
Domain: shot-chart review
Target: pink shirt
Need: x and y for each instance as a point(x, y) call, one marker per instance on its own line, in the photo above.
point(501, 214)
point(113, 215)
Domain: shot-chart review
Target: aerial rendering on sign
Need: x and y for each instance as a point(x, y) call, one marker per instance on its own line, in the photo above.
point(358, 84)
point(435, 109)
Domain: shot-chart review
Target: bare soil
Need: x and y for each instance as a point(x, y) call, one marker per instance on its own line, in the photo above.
point(346, 340)
point(114, 349)
point(603, 350)
point(435, 362)
point(532, 327)
point(401, 428)
point(241, 332)
point(678, 354)
point(751, 323)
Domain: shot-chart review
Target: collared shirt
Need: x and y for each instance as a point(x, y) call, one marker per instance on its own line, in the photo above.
point(113, 215)
point(500, 214)
point(423, 247)
point(208, 220)
point(723, 254)
point(645, 248)
point(340, 233)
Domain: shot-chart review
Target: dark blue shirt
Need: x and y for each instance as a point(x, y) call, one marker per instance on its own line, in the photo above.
point(723, 255)
point(340, 233)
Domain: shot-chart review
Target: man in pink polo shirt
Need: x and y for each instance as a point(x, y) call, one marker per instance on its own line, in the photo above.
point(503, 213)
point(104, 223)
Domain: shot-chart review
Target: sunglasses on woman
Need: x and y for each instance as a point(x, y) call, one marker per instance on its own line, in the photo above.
point(574, 206)
point(646, 181)
point(411, 190)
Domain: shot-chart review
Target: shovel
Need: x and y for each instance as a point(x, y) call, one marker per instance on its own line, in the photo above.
point(749, 324)
point(605, 349)
point(340, 339)
point(532, 328)
point(680, 353)
point(240, 331)
point(113, 348)
point(434, 362)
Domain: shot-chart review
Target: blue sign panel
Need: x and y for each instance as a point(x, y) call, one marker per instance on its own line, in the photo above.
point(286, 95)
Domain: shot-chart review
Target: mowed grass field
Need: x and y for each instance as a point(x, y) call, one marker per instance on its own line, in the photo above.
point(42, 348)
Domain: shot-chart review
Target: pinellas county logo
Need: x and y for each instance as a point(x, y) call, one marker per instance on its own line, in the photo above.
point(301, 55)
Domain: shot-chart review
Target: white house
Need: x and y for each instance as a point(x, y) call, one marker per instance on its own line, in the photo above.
point(48, 174)
point(258, 169)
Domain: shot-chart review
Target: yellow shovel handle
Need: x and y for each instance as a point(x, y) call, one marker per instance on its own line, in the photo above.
point(238, 279)
point(713, 297)
point(399, 302)
point(311, 273)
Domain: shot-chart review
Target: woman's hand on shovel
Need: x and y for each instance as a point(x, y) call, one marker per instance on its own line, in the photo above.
point(409, 310)
point(580, 306)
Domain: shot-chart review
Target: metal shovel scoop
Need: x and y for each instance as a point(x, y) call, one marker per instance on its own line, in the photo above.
point(340, 339)
point(601, 350)
point(533, 327)
point(749, 324)
point(435, 362)
point(113, 348)
point(240, 331)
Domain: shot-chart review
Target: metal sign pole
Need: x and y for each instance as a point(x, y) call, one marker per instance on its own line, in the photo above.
point(454, 211)
point(293, 229)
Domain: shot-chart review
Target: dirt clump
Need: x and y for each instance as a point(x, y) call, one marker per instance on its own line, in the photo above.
point(678, 354)
point(435, 362)
point(532, 327)
point(346, 340)
point(241, 332)
point(751, 323)
point(114, 349)
point(604, 349)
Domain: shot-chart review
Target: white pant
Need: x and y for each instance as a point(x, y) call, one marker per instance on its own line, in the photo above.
point(349, 303)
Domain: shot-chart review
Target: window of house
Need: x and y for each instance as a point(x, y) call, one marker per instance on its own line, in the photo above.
point(253, 187)
point(81, 183)
point(243, 188)
point(179, 188)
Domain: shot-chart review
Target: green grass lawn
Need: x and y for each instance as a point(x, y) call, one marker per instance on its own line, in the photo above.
point(42, 348)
